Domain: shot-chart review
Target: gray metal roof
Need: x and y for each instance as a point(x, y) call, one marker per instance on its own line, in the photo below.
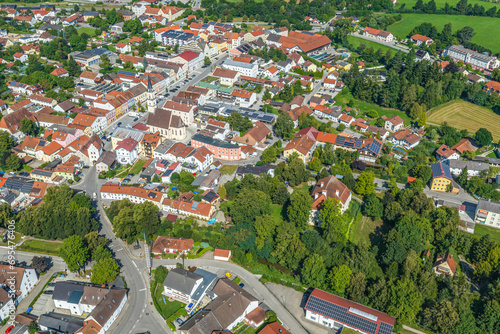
point(209, 279)
point(63, 290)
point(60, 322)
point(471, 165)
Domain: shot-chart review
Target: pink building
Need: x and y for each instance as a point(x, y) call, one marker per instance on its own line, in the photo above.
point(220, 149)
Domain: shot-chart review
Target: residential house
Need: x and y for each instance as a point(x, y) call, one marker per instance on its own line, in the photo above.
point(127, 151)
point(487, 213)
point(303, 146)
point(445, 265)
point(329, 187)
point(220, 149)
point(420, 40)
point(464, 145)
point(134, 194)
point(474, 168)
point(227, 77)
point(394, 123)
point(164, 245)
point(381, 35)
point(444, 153)
point(256, 135)
point(441, 177)
point(105, 161)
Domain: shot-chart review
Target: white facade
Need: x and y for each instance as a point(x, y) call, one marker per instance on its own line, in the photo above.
point(245, 69)
point(476, 59)
point(126, 157)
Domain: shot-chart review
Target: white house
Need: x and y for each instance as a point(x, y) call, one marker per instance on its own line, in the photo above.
point(14, 280)
point(246, 69)
point(474, 168)
point(127, 151)
point(394, 123)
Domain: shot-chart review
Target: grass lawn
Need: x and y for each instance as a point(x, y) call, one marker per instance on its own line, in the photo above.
point(343, 98)
point(27, 168)
point(41, 246)
point(243, 328)
point(483, 26)
point(137, 167)
point(356, 41)
point(458, 114)
point(481, 230)
point(492, 155)
point(123, 173)
point(17, 237)
point(168, 308)
point(89, 31)
point(276, 212)
point(228, 169)
point(361, 230)
point(440, 3)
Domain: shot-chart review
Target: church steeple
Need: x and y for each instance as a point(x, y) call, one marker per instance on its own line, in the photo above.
point(151, 97)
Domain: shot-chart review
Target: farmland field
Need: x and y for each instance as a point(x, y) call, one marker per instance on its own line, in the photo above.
point(465, 115)
point(483, 27)
point(356, 41)
point(453, 3)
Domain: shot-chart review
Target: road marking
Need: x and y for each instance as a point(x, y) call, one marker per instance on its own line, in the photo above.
point(119, 249)
point(142, 290)
point(134, 264)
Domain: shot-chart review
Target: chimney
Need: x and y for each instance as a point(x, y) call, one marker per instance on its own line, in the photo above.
point(316, 196)
point(322, 184)
point(337, 192)
point(324, 192)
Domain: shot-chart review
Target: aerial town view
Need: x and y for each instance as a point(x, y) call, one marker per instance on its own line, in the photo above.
point(249, 166)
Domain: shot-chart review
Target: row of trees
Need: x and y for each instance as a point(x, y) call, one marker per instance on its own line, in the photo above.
point(462, 8)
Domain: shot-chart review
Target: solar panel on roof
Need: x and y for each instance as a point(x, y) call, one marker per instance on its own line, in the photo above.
point(340, 314)
point(385, 328)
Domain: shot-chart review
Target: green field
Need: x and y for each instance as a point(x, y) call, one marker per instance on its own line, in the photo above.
point(453, 3)
point(356, 41)
point(89, 31)
point(481, 230)
point(484, 27)
point(344, 97)
point(459, 114)
point(41, 246)
point(137, 167)
point(228, 169)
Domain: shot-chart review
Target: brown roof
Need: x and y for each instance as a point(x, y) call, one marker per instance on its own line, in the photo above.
point(302, 144)
point(259, 132)
point(274, 328)
point(222, 252)
point(224, 73)
point(448, 258)
point(150, 195)
point(329, 187)
point(396, 120)
point(179, 244)
point(12, 122)
point(165, 119)
point(89, 75)
point(464, 145)
point(295, 113)
point(25, 319)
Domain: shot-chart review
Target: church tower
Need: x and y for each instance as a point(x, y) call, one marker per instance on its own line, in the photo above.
point(151, 101)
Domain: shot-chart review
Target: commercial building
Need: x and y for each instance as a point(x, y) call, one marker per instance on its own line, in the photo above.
point(475, 59)
point(220, 149)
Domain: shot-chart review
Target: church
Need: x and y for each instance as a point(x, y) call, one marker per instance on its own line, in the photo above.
point(166, 122)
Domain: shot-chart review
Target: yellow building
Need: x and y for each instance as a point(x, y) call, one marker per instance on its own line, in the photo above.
point(303, 146)
point(441, 177)
point(219, 43)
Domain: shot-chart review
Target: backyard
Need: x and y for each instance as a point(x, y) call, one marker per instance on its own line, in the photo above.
point(89, 31)
point(458, 114)
point(481, 230)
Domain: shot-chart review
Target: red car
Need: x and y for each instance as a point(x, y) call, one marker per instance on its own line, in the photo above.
point(7, 331)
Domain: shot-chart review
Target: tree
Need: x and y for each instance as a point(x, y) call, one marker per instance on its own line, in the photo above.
point(128, 64)
point(222, 192)
point(283, 127)
point(105, 271)
point(483, 137)
point(249, 205)
point(463, 176)
point(33, 328)
point(73, 68)
point(357, 286)
point(101, 253)
point(334, 226)
point(441, 317)
point(339, 277)
point(313, 271)
point(281, 194)
point(13, 162)
point(145, 63)
point(299, 209)
point(207, 61)
point(373, 207)
point(265, 227)
point(104, 62)
point(74, 252)
point(28, 127)
point(423, 119)
point(39, 264)
point(365, 183)
point(405, 300)
point(465, 35)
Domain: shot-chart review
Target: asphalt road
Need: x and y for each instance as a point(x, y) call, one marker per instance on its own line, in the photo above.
point(139, 315)
point(252, 283)
point(399, 47)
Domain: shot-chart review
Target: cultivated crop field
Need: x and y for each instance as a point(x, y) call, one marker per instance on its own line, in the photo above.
point(464, 115)
point(483, 27)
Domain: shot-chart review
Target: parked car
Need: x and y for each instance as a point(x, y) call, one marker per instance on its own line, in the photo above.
point(24, 174)
point(7, 331)
point(48, 292)
point(130, 175)
point(86, 167)
point(241, 285)
point(135, 119)
point(119, 123)
point(126, 180)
